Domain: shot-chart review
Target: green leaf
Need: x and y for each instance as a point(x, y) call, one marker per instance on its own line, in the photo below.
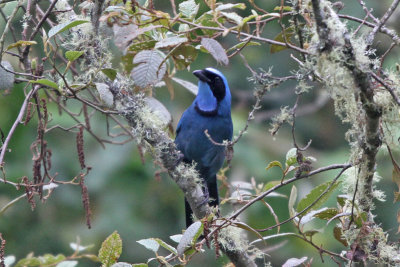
point(291, 157)
point(110, 73)
point(31, 261)
point(110, 250)
point(311, 232)
point(45, 82)
point(183, 56)
point(314, 195)
point(248, 228)
point(150, 244)
point(20, 43)
point(171, 41)
point(73, 55)
point(270, 184)
point(341, 199)
point(67, 264)
point(121, 264)
point(114, 9)
point(286, 34)
point(285, 8)
point(233, 16)
point(9, 260)
point(166, 246)
point(248, 18)
point(292, 262)
point(215, 49)
point(338, 234)
point(264, 238)
point(361, 219)
point(65, 26)
point(91, 257)
point(241, 44)
point(189, 236)
point(124, 35)
point(189, 8)
point(208, 20)
point(127, 62)
point(140, 265)
point(187, 85)
point(49, 259)
point(292, 200)
point(274, 163)
point(139, 46)
point(148, 72)
point(229, 6)
point(176, 238)
point(327, 214)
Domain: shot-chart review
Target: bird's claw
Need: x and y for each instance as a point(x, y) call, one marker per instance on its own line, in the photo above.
point(179, 159)
point(206, 197)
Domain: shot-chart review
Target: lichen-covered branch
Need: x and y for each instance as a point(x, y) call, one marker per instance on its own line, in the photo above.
point(346, 71)
point(383, 20)
point(369, 139)
point(96, 13)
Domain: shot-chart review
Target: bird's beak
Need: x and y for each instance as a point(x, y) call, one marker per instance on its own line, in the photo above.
point(202, 77)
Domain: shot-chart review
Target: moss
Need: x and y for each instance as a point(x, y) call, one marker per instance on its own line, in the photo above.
point(283, 117)
point(96, 50)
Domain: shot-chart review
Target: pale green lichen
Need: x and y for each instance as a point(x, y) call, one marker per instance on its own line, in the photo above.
point(188, 172)
point(26, 18)
point(330, 67)
point(370, 237)
point(285, 116)
point(303, 87)
point(96, 50)
point(390, 111)
point(374, 242)
point(233, 239)
point(349, 183)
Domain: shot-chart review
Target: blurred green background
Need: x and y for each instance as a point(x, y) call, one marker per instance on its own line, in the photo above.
point(124, 193)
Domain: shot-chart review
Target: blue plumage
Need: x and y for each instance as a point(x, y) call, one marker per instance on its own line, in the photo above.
point(211, 110)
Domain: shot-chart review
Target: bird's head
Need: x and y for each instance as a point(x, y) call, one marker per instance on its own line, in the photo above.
point(213, 90)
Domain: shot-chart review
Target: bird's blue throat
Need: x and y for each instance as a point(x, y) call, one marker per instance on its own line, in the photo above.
point(205, 102)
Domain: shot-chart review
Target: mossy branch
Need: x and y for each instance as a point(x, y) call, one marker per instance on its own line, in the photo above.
point(371, 140)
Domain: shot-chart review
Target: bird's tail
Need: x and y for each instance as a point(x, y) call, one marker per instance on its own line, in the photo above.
point(211, 195)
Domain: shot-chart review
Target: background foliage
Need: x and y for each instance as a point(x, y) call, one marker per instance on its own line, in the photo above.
point(127, 195)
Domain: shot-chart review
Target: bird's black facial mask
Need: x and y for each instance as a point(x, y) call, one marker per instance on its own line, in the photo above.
point(214, 81)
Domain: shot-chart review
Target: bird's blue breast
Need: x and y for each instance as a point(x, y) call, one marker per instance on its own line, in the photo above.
point(194, 144)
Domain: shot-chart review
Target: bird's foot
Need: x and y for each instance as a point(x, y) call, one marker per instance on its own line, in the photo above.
point(206, 196)
point(179, 159)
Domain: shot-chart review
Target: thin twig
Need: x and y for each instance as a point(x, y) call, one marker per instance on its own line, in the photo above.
point(309, 206)
point(383, 29)
point(8, 25)
point(258, 38)
point(388, 87)
point(17, 121)
point(383, 20)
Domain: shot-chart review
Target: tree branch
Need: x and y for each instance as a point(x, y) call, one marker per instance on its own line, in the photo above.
point(372, 112)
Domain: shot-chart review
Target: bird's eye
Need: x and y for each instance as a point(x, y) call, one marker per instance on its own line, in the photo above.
point(217, 79)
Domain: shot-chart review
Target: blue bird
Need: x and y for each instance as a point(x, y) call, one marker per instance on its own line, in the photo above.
point(211, 111)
